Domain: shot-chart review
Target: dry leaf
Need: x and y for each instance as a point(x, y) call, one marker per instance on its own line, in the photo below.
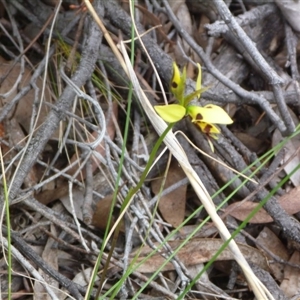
point(252, 143)
point(23, 111)
point(83, 277)
point(290, 147)
point(241, 210)
point(2, 130)
point(110, 128)
point(99, 185)
point(151, 20)
point(50, 258)
point(47, 196)
point(290, 202)
point(182, 13)
point(206, 231)
point(202, 7)
point(18, 138)
point(270, 241)
point(101, 214)
point(172, 205)
point(196, 251)
point(291, 283)
point(291, 10)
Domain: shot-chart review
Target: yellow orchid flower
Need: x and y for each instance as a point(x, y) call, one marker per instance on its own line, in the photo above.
point(175, 112)
point(207, 128)
point(210, 113)
point(204, 117)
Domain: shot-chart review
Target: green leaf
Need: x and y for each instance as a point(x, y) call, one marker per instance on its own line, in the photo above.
point(170, 113)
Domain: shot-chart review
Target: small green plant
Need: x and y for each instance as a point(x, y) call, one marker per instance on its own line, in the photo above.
point(204, 117)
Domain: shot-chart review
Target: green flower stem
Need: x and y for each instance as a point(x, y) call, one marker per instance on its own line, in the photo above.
point(132, 192)
point(6, 203)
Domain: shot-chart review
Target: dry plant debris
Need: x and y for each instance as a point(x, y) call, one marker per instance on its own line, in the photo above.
point(64, 103)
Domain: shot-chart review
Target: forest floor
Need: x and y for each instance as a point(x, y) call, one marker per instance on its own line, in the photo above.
point(107, 193)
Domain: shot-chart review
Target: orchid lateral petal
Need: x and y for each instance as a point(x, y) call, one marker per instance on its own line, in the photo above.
point(170, 113)
point(209, 114)
point(183, 81)
point(178, 83)
point(197, 93)
point(208, 128)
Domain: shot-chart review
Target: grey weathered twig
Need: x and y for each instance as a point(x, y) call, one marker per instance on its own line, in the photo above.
point(37, 73)
point(32, 255)
point(83, 72)
point(26, 264)
point(289, 225)
point(266, 71)
point(291, 42)
point(219, 27)
point(216, 73)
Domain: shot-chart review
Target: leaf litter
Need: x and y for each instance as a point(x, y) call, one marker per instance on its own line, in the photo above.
point(48, 178)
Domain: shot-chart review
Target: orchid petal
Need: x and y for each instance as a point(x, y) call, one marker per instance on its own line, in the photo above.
point(171, 113)
point(208, 128)
point(178, 83)
point(209, 114)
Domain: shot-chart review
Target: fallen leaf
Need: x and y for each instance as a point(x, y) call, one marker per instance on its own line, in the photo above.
point(271, 242)
point(182, 12)
point(23, 111)
point(50, 258)
point(19, 139)
point(252, 143)
point(290, 147)
point(2, 130)
point(291, 11)
point(291, 283)
point(84, 276)
point(172, 205)
point(241, 210)
point(101, 214)
point(110, 128)
point(196, 251)
point(99, 185)
point(290, 202)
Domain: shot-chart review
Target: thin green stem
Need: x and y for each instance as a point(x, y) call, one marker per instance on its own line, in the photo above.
point(116, 189)
point(269, 155)
point(135, 189)
point(6, 203)
point(238, 230)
